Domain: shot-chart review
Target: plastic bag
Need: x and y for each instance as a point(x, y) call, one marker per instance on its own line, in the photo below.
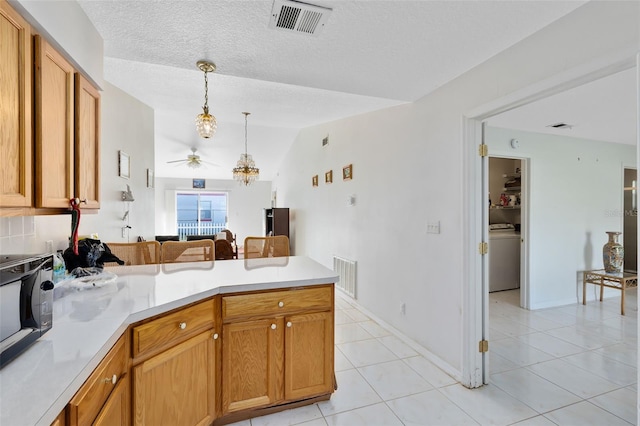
point(91, 253)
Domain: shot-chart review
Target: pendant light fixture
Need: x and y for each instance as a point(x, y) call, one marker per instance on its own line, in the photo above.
point(206, 123)
point(246, 171)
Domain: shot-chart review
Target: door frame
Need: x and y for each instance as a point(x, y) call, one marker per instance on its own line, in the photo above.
point(475, 324)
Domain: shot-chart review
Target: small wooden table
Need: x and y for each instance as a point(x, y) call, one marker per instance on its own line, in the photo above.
point(618, 280)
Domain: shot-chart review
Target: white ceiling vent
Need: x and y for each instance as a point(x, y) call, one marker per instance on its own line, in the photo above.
point(296, 16)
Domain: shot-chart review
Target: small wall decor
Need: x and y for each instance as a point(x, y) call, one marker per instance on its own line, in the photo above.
point(124, 165)
point(198, 183)
point(314, 180)
point(328, 176)
point(347, 172)
point(149, 178)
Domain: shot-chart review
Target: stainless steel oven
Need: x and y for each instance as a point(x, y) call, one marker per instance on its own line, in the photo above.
point(26, 302)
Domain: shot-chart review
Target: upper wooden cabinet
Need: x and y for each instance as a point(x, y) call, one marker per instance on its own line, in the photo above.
point(54, 127)
point(15, 110)
point(87, 144)
point(49, 125)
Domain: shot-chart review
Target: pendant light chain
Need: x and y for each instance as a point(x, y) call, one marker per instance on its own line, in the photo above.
point(245, 133)
point(206, 93)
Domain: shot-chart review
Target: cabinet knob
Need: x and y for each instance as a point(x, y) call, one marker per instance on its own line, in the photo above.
point(280, 304)
point(215, 336)
point(273, 326)
point(111, 380)
point(182, 325)
point(289, 324)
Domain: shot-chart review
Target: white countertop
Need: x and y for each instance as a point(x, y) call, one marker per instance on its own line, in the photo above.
point(37, 385)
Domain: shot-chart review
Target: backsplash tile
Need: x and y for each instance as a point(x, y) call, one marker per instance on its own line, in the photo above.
point(18, 235)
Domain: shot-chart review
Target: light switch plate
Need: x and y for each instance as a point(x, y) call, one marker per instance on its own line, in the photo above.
point(433, 227)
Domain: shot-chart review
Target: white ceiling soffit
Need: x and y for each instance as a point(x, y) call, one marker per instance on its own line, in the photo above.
point(298, 17)
point(603, 110)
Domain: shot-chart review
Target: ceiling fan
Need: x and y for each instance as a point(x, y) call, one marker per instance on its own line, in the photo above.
point(193, 160)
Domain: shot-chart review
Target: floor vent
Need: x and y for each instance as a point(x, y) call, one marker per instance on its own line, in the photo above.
point(346, 269)
point(291, 15)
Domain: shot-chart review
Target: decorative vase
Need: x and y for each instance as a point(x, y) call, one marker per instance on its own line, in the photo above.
point(613, 253)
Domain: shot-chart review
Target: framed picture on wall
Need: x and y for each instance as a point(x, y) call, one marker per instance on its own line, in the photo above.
point(328, 176)
point(124, 165)
point(198, 183)
point(347, 172)
point(314, 180)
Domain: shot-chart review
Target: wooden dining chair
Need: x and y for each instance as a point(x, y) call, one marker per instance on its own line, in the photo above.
point(276, 246)
point(224, 251)
point(231, 237)
point(140, 253)
point(187, 251)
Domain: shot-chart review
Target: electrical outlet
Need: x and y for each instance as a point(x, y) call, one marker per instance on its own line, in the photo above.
point(49, 246)
point(124, 232)
point(403, 308)
point(433, 227)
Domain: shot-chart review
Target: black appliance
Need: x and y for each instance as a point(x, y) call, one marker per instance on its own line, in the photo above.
point(26, 302)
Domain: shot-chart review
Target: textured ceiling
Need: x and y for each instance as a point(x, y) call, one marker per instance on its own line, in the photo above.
point(370, 55)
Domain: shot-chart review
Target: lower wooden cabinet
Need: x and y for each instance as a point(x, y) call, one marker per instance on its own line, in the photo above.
point(116, 411)
point(177, 386)
point(252, 363)
point(97, 391)
point(308, 355)
point(175, 369)
point(278, 359)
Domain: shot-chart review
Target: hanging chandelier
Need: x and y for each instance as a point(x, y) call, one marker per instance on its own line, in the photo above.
point(246, 171)
point(206, 123)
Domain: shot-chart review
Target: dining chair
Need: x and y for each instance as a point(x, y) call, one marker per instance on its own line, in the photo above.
point(276, 246)
point(140, 253)
point(223, 251)
point(231, 237)
point(187, 251)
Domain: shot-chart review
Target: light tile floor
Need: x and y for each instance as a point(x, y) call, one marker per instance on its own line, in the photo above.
point(572, 365)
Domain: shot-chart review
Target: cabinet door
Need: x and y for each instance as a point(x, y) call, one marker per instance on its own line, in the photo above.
point(15, 109)
point(116, 410)
point(54, 127)
point(87, 143)
point(308, 355)
point(252, 362)
point(176, 387)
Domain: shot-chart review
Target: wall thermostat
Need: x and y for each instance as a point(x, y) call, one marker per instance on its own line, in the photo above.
point(515, 143)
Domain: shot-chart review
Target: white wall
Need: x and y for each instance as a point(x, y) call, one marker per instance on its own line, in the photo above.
point(127, 124)
point(408, 170)
point(245, 204)
point(68, 28)
point(576, 195)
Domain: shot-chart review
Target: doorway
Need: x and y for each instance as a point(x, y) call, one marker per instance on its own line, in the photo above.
point(478, 268)
point(507, 203)
point(630, 221)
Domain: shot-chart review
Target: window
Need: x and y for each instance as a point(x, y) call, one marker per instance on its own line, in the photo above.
point(201, 213)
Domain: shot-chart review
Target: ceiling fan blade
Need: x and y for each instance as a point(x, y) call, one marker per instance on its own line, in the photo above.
point(177, 161)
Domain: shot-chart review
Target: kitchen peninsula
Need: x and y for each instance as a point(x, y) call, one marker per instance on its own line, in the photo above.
point(221, 340)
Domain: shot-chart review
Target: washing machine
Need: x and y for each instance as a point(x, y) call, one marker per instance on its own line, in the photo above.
point(504, 259)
